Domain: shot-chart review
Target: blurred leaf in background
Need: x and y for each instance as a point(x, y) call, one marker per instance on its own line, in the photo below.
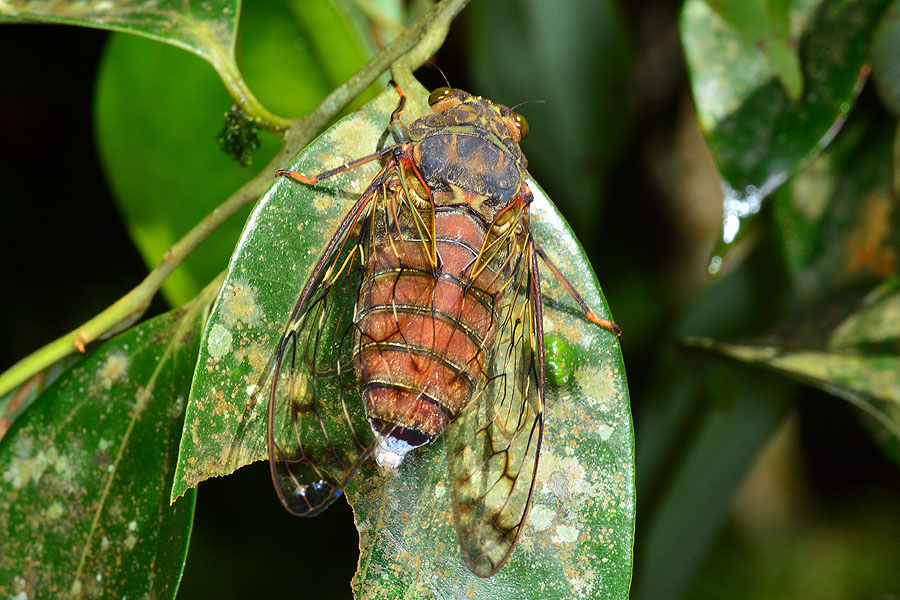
point(757, 131)
point(164, 165)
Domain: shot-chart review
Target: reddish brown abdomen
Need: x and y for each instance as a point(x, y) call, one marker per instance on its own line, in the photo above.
point(425, 334)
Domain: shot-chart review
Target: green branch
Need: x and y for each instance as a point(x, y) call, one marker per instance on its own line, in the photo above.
point(420, 41)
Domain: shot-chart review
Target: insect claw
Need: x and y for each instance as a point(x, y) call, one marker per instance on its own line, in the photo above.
point(604, 323)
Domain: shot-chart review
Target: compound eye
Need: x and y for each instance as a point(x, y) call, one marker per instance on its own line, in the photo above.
point(521, 123)
point(440, 94)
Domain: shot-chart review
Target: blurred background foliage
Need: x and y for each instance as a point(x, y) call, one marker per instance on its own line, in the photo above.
point(766, 401)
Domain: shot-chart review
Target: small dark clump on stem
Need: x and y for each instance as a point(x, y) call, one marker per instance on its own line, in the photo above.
point(238, 137)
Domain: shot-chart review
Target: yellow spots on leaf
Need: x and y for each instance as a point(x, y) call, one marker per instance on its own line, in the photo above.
point(321, 203)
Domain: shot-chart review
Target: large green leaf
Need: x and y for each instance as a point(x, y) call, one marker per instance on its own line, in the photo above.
point(206, 28)
point(164, 165)
point(579, 535)
point(757, 134)
point(86, 472)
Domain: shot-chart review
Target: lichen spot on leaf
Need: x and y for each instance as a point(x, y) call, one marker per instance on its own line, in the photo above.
point(239, 306)
point(219, 341)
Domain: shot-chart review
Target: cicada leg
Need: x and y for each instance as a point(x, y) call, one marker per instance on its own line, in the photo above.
point(588, 313)
point(398, 130)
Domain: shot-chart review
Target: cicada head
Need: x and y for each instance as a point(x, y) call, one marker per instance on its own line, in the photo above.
point(464, 108)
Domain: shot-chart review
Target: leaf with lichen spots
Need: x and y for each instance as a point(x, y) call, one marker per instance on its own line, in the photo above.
point(577, 540)
point(225, 424)
point(580, 538)
point(84, 492)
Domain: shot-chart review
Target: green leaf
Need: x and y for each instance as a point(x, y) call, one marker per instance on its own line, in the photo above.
point(163, 164)
point(868, 380)
point(84, 493)
point(204, 28)
point(281, 242)
point(161, 157)
point(756, 133)
point(580, 533)
point(855, 357)
point(577, 541)
point(885, 66)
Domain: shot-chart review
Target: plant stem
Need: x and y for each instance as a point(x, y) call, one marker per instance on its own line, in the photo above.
point(422, 38)
point(243, 97)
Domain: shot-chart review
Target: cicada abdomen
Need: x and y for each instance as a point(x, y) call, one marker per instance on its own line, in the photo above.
point(428, 308)
point(446, 335)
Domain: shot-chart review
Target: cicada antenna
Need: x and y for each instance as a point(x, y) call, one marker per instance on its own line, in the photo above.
point(447, 81)
point(527, 102)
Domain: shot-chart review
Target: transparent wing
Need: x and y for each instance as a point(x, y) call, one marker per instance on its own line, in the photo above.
point(318, 431)
point(318, 435)
point(494, 443)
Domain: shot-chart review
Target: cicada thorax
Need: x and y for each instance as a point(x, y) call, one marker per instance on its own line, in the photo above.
point(428, 309)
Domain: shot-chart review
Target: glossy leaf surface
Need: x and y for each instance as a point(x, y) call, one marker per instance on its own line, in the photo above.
point(206, 28)
point(86, 472)
point(758, 136)
point(765, 25)
point(579, 534)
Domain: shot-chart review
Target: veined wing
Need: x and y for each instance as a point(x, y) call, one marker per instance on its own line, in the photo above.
point(494, 443)
point(318, 433)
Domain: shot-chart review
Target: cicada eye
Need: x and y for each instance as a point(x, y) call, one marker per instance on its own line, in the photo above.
point(521, 124)
point(442, 93)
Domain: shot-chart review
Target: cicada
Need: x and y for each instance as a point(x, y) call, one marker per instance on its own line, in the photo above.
point(446, 334)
